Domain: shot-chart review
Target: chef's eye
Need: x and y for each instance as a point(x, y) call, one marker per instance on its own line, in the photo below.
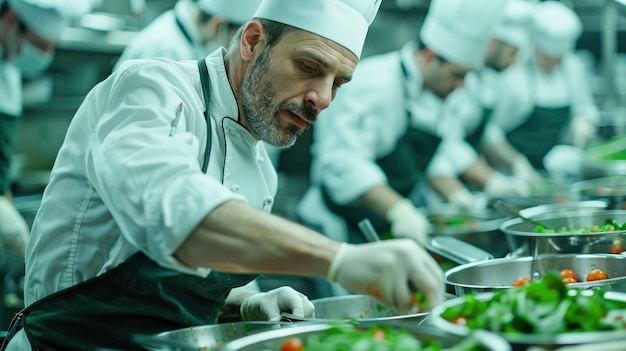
point(307, 67)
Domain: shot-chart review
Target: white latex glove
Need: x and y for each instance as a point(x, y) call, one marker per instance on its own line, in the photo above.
point(583, 131)
point(384, 270)
point(463, 198)
point(13, 228)
point(524, 170)
point(267, 306)
point(498, 185)
point(407, 222)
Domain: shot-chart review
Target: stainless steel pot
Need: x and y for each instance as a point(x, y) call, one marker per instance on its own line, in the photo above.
point(359, 308)
point(521, 236)
point(272, 340)
point(612, 190)
point(206, 337)
point(479, 227)
point(501, 273)
point(524, 341)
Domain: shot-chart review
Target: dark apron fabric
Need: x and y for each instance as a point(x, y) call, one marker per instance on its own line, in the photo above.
point(474, 138)
point(403, 167)
point(8, 129)
point(541, 131)
point(136, 297)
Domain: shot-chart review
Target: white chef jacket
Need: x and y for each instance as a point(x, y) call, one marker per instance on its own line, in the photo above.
point(567, 84)
point(164, 38)
point(11, 100)
point(363, 124)
point(121, 183)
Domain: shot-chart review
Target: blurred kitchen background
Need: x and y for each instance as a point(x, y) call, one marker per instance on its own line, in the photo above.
point(90, 47)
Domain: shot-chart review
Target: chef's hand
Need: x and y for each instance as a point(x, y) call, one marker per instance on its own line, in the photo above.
point(498, 185)
point(464, 199)
point(524, 170)
point(583, 131)
point(407, 222)
point(267, 306)
point(384, 270)
point(13, 228)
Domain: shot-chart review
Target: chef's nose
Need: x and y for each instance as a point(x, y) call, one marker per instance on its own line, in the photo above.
point(320, 94)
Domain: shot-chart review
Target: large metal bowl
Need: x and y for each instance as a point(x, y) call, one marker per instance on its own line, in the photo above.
point(357, 308)
point(524, 341)
point(564, 209)
point(501, 273)
point(609, 189)
point(205, 337)
point(479, 227)
point(522, 238)
point(272, 340)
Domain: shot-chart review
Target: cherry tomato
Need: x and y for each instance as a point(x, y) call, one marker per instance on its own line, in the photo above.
point(596, 274)
point(459, 320)
point(617, 246)
point(379, 335)
point(521, 281)
point(568, 273)
point(292, 344)
point(569, 280)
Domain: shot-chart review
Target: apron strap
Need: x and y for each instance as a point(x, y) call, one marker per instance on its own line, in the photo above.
point(205, 80)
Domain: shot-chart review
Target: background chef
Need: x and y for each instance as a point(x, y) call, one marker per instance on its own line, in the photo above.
point(471, 107)
point(191, 30)
point(150, 219)
point(545, 100)
point(29, 33)
point(376, 140)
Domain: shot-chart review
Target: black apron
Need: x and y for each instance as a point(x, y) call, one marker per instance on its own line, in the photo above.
point(540, 132)
point(404, 167)
point(136, 297)
point(8, 130)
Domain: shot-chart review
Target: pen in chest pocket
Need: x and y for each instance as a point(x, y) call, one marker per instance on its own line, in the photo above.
point(175, 121)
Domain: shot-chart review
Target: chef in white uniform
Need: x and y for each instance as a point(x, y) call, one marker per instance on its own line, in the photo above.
point(472, 106)
point(545, 100)
point(191, 30)
point(155, 211)
point(376, 141)
point(29, 32)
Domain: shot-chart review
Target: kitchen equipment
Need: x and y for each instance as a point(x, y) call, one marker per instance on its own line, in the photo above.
point(609, 189)
point(500, 273)
point(566, 208)
point(525, 341)
point(606, 159)
point(499, 205)
point(272, 340)
point(520, 234)
point(206, 337)
point(479, 227)
point(541, 193)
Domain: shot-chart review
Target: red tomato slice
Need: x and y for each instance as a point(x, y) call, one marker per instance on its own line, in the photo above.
point(292, 344)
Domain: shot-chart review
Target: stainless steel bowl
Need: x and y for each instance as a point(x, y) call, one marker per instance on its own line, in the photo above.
point(612, 190)
point(501, 273)
point(206, 337)
point(522, 238)
point(564, 209)
point(272, 340)
point(479, 227)
point(524, 341)
point(358, 308)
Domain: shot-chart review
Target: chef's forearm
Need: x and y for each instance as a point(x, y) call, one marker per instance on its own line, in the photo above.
point(380, 198)
point(446, 186)
point(477, 173)
point(238, 238)
point(500, 154)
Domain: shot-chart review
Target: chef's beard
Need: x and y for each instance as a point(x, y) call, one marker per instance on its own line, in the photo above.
point(258, 96)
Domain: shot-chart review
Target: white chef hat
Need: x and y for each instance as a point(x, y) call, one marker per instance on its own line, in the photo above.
point(555, 28)
point(47, 18)
point(235, 11)
point(514, 27)
point(459, 30)
point(343, 21)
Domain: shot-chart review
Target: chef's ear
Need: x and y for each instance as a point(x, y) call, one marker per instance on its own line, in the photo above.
point(253, 39)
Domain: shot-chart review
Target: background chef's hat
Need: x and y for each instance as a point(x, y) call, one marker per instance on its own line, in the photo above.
point(343, 21)
point(234, 11)
point(47, 18)
point(514, 27)
point(556, 28)
point(459, 30)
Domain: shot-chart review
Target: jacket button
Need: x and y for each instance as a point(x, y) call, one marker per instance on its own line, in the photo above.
point(268, 201)
point(234, 188)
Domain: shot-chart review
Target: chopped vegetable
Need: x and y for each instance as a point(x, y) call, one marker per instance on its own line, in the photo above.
point(617, 246)
point(521, 281)
point(546, 306)
point(568, 273)
point(610, 225)
point(419, 299)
